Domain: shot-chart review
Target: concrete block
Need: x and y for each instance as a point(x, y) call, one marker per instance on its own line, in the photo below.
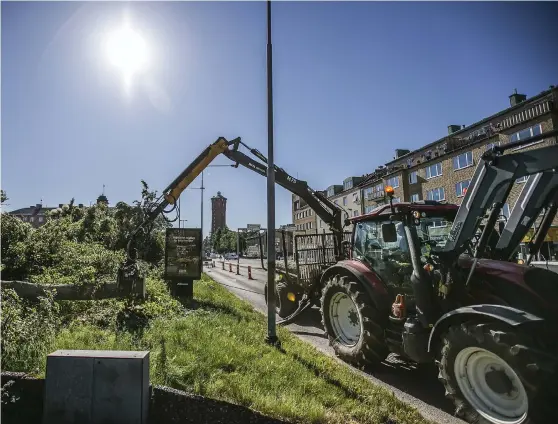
point(96, 387)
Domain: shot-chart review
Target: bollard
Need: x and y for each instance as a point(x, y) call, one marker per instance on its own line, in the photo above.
point(237, 269)
point(250, 272)
point(230, 267)
point(223, 265)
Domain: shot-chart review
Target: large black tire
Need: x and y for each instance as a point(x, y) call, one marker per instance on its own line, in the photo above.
point(283, 306)
point(504, 342)
point(368, 347)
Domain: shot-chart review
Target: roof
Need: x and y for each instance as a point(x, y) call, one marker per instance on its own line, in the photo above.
point(469, 127)
point(31, 211)
point(425, 206)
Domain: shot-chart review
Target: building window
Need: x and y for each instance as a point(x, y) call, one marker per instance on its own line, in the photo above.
point(331, 192)
point(31, 219)
point(463, 161)
point(415, 197)
point(321, 223)
point(345, 201)
point(368, 193)
point(461, 187)
point(348, 184)
point(396, 200)
point(526, 133)
point(380, 187)
point(491, 145)
point(355, 213)
point(393, 182)
point(355, 197)
point(413, 178)
point(368, 209)
point(436, 194)
point(439, 223)
point(522, 179)
point(41, 219)
point(433, 170)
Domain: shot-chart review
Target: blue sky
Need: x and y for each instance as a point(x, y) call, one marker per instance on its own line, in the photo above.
point(352, 82)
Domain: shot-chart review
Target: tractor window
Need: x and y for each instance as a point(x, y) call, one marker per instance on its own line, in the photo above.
point(390, 260)
point(368, 238)
point(434, 229)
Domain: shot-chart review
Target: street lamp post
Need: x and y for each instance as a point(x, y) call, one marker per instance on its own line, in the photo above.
point(271, 318)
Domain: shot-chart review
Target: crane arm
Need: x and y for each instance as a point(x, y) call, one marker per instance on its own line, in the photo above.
point(324, 208)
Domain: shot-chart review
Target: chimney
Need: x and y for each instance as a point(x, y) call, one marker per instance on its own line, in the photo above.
point(80, 205)
point(453, 128)
point(515, 98)
point(60, 205)
point(31, 207)
point(38, 205)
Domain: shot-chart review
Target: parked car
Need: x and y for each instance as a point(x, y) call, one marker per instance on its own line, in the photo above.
point(231, 256)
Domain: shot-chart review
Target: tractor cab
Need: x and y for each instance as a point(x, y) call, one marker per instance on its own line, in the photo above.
point(381, 243)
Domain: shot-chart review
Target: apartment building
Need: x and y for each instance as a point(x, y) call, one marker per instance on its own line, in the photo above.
point(442, 170)
point(348, 196)
point(304, 218)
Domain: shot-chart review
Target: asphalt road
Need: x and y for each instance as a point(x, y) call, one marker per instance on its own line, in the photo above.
point(418, 387)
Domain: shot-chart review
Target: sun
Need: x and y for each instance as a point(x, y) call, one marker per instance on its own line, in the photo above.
point(128, 51)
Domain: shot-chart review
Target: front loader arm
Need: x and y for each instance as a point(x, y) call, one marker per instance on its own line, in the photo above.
point(490, 187)
point(538, 193)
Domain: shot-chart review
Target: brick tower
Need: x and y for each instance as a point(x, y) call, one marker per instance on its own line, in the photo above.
point(218, 212)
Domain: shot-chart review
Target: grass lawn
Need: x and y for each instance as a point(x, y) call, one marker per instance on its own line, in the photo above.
point(218, 350)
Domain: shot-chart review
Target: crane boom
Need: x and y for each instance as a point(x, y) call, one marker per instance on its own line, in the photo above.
point(324, 208)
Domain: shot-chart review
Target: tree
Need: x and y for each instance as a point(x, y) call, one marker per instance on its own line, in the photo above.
point(3, 197)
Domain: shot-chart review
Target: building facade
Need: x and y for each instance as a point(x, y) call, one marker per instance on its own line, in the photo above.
point(304, 218)
point(218, 212)
point(442, 170)
point(348, 197)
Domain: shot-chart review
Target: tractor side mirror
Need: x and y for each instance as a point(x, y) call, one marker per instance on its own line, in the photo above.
point(389, 234)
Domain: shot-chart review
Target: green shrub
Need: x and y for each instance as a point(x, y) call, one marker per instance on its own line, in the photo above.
point(28, 331)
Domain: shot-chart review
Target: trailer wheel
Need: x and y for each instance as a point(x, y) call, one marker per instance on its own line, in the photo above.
point(351, 322)
point(486, 381)
point(283, 306)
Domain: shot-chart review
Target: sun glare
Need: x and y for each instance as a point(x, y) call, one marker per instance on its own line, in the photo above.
point(127, 50)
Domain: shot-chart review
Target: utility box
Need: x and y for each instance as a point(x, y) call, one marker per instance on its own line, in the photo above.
point(96, 386)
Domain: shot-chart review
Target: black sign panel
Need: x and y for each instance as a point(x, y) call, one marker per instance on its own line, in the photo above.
point(183, 253)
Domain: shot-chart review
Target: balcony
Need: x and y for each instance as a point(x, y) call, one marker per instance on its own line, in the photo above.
point(375, 195)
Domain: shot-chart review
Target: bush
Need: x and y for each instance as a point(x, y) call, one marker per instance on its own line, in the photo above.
point(28, 331)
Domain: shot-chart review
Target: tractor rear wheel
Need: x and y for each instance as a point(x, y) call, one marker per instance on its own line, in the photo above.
point(283, 306)
point(352, 322)
point(486, 378)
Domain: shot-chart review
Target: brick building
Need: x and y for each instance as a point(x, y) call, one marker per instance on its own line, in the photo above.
point(218, 212)
point(443, 169)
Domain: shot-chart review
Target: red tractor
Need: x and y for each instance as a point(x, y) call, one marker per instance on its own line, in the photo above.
point(435, 282)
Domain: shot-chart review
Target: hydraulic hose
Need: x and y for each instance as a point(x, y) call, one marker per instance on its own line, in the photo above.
point(305, 304)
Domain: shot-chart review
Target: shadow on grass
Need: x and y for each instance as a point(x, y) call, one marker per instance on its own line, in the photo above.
point(417, 381)
point(196, 304)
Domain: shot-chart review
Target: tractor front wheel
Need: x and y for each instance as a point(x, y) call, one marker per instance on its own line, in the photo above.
point(486, 379)
point(352, 322)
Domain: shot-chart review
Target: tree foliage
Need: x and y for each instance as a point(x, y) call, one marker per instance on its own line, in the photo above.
point(225, 240)
point(79, 244)
point(74, 246)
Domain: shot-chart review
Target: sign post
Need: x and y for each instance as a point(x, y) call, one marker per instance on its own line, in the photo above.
point(183, 259)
